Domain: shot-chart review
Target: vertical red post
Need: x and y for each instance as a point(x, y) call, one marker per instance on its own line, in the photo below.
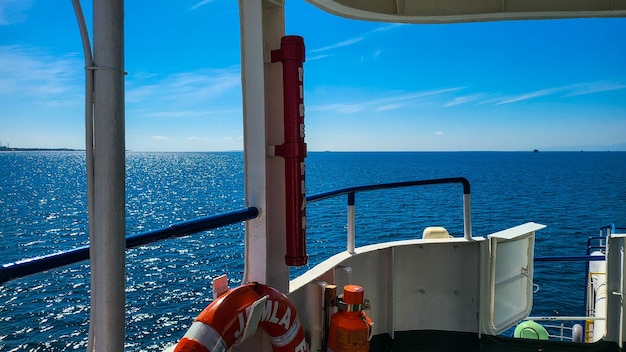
point(291, 54)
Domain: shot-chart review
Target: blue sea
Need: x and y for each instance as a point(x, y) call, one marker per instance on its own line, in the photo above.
point(43, 210)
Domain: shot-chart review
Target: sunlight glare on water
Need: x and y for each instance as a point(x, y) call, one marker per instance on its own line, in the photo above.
point(43, 211)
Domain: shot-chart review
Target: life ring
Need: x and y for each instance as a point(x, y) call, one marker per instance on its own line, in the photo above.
point(223, 322)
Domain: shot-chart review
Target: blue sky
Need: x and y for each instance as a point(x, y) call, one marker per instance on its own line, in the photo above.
point(514, 85)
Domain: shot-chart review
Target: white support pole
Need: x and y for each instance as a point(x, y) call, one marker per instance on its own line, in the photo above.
point(351, 223)
point(262, 27)
point(351, 230)
point(254, 143)
point(616, 289)
point(107, 242)
point(467, 216)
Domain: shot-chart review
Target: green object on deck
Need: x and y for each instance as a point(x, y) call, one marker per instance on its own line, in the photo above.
point(530, 330)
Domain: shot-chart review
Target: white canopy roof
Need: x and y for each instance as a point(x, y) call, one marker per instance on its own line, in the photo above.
point(449, 11)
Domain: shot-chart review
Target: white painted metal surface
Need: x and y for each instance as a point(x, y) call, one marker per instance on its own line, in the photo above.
point(262, 27)
point(506, 281)
point(450, 284)
point(597, 274)
point(467, 216)
point(252, 80)
point(449, 11)
point(616, 288)
point(412, 285)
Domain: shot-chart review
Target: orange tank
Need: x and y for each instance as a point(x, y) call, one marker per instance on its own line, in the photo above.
point(350, 327)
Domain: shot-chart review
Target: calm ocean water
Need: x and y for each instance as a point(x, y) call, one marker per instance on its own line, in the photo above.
point(43, 210)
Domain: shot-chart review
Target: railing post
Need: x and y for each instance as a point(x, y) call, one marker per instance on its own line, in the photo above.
point(467, 216)
point(351, 230)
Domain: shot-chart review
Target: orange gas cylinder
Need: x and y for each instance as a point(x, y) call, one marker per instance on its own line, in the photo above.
point(350, 328)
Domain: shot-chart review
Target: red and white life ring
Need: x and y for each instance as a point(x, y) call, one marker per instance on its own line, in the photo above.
point(221, 324)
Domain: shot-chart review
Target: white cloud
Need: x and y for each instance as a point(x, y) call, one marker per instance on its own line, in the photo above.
point(383, 104)
point(208, 139)
point(13, 11)
point(531, 95)
point(386, 28)
point(342, 108)
point(439, 133)
point(193, 138)
point(201, 3)
point(339, 45)
point(490, 101)
point(391, 107)
point(160, 138)
point(571, 90)
point(461, 100)
point(26, 71)
point(196, 86)
point(595, 87)
point(358, 39)
point(318, 57)
point(401, 100)
point(174, 114)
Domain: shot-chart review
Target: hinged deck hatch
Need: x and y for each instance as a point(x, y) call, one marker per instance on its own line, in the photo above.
point(507, 280)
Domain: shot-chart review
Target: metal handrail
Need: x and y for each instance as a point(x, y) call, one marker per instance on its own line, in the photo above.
point(351, 191)
point(571, 258)
point(25, 267)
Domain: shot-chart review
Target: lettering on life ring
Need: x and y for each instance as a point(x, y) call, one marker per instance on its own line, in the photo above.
point(235, 315)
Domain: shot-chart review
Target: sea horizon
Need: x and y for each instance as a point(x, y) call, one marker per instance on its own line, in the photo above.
point(549, 150)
